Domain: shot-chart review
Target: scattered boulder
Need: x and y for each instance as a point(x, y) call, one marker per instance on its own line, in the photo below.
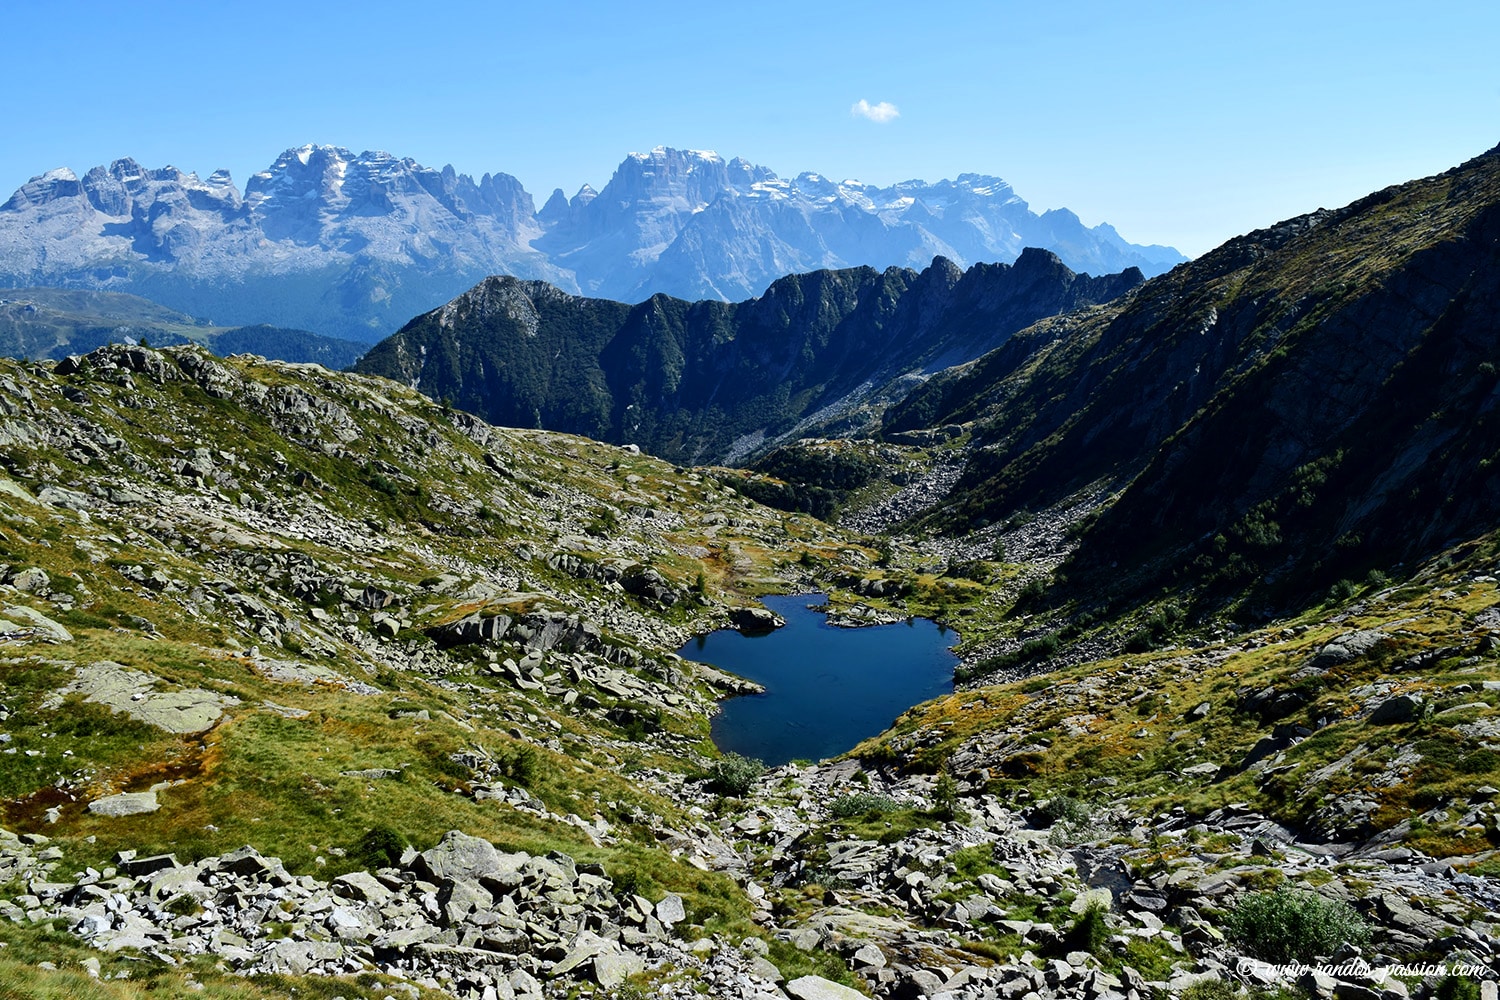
point(1347, 647)
point(754, 621)
point(17, 618)
point(470, 630)
point(670, 910)
point(458, 855)
point(31, 581)
point(1402, 708)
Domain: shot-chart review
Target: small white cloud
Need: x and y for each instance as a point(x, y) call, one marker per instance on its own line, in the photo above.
point(881, 113)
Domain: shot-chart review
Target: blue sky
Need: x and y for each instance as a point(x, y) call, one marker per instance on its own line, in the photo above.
point(1179, 123)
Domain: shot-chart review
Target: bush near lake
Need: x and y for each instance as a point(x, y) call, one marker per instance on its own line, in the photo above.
point(735, 774)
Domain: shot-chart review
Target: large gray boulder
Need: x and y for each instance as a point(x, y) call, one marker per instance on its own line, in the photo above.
point(1349, 646)
point(1402, 708)
point(818, 988)
point(457, 856)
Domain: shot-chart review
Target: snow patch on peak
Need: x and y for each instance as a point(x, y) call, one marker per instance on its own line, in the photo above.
point(665, 152)
point(58, 174)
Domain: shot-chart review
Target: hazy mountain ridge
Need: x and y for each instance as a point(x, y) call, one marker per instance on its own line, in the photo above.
point(353, 245)
point(54, 323)
point(707, 380)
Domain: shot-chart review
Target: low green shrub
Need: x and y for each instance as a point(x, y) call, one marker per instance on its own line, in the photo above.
point(863, 804)
point(634, 882)
point(1457, 988)
point(971, 862)
point(735, 774)
point(1067, 810)
point(945, 796)
point(1294, 925)
point(519, 763)
point(379, 847)
point(1090, 931)
point(1211, 989)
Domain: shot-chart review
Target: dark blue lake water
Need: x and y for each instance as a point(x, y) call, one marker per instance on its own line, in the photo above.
point(827, 688)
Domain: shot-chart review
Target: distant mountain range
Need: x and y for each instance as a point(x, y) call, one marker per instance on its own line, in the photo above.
point(712, 381)
point(354, 245)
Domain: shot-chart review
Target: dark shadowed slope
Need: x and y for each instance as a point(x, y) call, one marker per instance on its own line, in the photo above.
point(712, 381)
point(1306, 402)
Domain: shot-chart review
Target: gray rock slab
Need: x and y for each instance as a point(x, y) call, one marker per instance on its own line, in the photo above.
point(361, 886)
point(612, 967)
point(18, 617)
point(766, 969)
point(458, 855)
point(1346, 647)
point(125, 804)
point(137, 867)
point(818, 988)
point(133, 693)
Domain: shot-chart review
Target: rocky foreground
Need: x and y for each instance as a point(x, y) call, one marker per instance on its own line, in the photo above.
point(988, 903)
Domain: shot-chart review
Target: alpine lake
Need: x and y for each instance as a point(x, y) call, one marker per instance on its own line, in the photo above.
point(827, 687)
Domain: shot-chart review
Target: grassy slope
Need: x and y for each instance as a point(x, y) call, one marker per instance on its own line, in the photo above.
point(426, 502)
point(1125, 728)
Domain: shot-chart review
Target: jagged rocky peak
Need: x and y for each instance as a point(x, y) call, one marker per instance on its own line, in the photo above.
point(945, 270)
point(44, 188)
point(307, 169)
point(556, 208)
point(743, 173)
point(980, 185)
point(295, 195)
point(115, 189)
point(499, 298)
point(694, 177)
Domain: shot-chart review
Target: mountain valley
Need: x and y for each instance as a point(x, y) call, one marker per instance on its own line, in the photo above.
point(314, 685)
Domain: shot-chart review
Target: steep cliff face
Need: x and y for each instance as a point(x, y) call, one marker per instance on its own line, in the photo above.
point(711, 381)
point(1307, 402)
